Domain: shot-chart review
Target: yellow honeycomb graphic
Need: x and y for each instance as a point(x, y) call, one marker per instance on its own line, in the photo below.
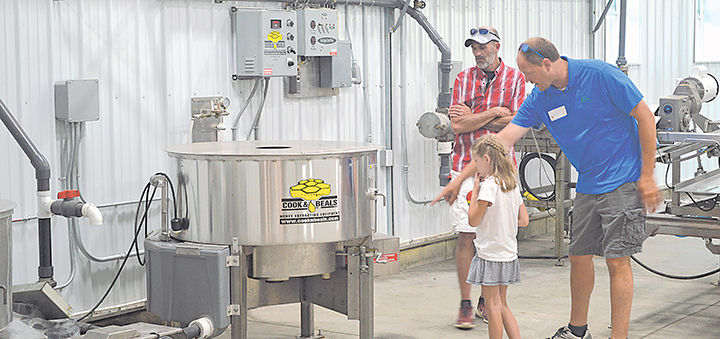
point(275, 36)
point(310, 189)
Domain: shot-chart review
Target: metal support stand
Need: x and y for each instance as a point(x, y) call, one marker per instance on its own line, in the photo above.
point(562, 180)
point(237, 311)
point(307, 321)
point(367, 295)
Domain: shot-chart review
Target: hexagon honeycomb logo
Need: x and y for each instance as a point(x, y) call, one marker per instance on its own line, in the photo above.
point(275, 36)
point(310, 190)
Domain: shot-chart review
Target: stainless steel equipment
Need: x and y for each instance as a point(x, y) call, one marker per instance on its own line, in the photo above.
point(677, 131)
point(245, 190)
point(298, 217)
point(6, 210)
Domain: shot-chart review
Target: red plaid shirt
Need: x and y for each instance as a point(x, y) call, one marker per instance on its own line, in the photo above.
point(506, 89)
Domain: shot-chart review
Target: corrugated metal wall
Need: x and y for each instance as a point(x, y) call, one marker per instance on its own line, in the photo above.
point(151, 57)
point(566, 23)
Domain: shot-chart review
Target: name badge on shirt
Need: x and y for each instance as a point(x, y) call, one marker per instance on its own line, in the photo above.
point(557, 113)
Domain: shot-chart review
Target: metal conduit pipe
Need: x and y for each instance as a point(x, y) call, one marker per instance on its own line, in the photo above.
point(403, 137)
point(42, 175)
point(81, 246)
point(242, 110)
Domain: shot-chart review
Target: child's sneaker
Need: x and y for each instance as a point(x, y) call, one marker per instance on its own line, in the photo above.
point(465, 319)
point(480, 310)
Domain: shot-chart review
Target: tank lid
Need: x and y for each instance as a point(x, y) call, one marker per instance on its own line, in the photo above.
point(270, 149)
point(6, 205)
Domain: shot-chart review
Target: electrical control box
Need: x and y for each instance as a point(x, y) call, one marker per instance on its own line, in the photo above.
point(336, 71)
point(77, 100)
point(266, 42)
point(317, 32)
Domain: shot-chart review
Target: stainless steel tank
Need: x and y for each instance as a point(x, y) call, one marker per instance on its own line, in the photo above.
point(6, 210)
point(293, 200)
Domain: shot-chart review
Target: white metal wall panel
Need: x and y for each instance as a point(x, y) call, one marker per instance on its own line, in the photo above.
point(415, 83)
point(152, 56)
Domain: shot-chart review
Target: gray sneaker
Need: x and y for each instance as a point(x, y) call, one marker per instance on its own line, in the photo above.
point(565, 333)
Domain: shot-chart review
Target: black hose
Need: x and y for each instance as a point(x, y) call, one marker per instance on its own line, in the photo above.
point(670, 276)
point(534, 257)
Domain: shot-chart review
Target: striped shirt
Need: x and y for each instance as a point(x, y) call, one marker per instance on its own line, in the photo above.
point(506, 89)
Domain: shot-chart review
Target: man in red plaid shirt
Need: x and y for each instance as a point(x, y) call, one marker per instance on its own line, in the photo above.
point(485, 98)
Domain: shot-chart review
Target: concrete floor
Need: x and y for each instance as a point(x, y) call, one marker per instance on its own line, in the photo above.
point(423, 302)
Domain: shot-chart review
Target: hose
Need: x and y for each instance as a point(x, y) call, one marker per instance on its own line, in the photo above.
point(676, 277)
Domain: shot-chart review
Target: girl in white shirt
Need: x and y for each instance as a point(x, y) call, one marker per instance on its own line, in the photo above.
point(496, 210)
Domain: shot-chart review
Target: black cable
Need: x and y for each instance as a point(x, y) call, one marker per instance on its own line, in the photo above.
point(700, 207)
point(127, 256)
point(667, 170)
point(540, 257)
point(144, 219)
point(670, 276)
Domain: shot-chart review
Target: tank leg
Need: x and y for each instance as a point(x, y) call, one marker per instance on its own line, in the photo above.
point(237, 311)
point(307, 321)
point(366, 295)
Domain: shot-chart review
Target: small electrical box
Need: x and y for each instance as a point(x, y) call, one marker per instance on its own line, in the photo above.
point(336, 71)
point(317, 32)
point(77, 100)
point(266, 41)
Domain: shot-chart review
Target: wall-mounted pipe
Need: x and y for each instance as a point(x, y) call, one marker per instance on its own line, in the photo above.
point(38, 161)
point(444, 97)
point(42, 175)
point(621, 61)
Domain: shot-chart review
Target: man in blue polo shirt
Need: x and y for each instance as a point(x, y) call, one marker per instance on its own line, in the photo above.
point(599, 120)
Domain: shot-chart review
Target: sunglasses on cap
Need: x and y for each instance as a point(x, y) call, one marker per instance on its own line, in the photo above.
point(483, 31)
point(525, 47)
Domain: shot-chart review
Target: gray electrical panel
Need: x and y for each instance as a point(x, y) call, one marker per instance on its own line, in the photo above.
point(77, 100)
point(336, 71)
point(266, 41)
point(317, 32)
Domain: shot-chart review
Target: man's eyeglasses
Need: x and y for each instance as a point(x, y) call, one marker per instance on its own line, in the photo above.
point(483, 31)
point(525, 47)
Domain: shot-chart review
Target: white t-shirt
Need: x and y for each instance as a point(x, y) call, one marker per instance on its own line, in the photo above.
point(496, 238)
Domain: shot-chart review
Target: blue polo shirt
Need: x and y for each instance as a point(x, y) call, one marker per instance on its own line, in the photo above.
point(591, 123)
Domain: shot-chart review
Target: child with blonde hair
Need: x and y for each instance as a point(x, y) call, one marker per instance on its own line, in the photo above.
point(496, 210)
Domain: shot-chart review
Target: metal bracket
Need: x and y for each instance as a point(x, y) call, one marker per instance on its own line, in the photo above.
point(232, 261)
point(402, 14)
point(233, 310)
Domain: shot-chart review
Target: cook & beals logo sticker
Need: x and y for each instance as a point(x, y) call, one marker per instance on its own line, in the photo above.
point(311, 202)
